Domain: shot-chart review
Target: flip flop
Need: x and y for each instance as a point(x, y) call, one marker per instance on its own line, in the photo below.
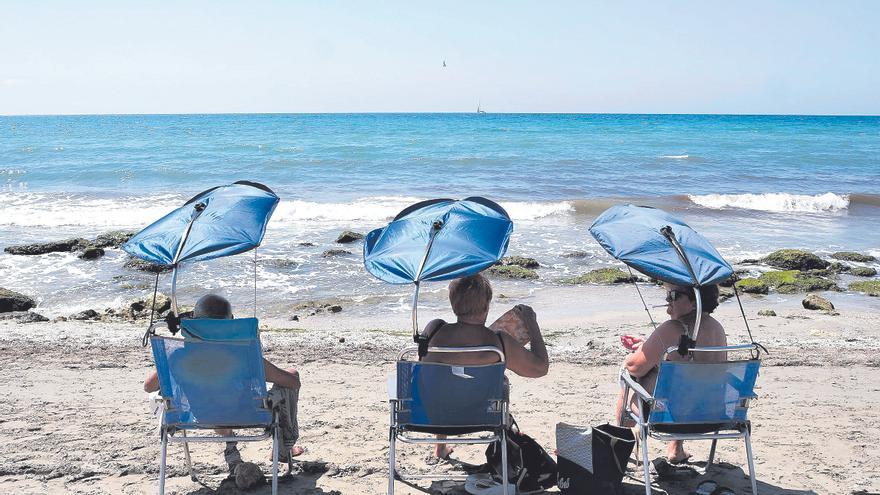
point(667, 471)
point(481, 484)
point(707, 487)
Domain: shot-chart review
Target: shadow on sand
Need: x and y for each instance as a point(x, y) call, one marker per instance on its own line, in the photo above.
point(723, 473)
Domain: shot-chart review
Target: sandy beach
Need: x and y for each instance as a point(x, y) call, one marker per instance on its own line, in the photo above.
point(76, 421)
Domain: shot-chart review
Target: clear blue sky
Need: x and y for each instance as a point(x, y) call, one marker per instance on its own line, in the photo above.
point(804, 57)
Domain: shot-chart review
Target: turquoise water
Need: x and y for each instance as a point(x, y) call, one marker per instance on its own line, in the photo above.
point(750, 183)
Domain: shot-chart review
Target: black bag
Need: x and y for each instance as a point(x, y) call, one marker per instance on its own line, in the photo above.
point(593, 460)
point(529, 467)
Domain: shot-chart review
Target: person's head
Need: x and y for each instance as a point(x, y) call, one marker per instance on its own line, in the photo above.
point(681, 301)
point(213, 306)
point(470, 297)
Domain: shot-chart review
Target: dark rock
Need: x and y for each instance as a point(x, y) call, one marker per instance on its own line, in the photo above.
point(752, 286)
point(792, 281)
point(349, 236)
point(307, 244)
point(602, 276)
point(869, 287)
point(248, 475)
point(91, 253)
point(838, 267)
point(522, 261)
point(728, 282)
point(511, 271)
point(576, 254)
point(89, 314)
point(313, 308)
point(863, 271)
point(795, 259)
point(817, 303)
point(14, 301)
point(281, 263)
point(750, 262)
point(335, 252)
point(145, 266)
point(64, 246)
point(294, 318)
point(23, 317)
point(334, 308)
point(851, 256)
point(766, 312)
point(724, 293)
point(113, 239)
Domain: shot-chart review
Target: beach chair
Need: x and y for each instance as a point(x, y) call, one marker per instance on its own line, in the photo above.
point(696, 401)
point(428, 399)
point(213, 378)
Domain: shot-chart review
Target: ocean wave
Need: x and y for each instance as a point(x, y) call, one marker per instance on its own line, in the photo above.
point(53, 210)
point(676, 157)
point(774, 202)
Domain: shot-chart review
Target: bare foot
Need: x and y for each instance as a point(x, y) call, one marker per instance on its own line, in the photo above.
point(442, 451)
point(676, 453)
point(295, 451)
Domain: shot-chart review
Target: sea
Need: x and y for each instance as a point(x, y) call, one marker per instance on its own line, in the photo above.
point(750, 184)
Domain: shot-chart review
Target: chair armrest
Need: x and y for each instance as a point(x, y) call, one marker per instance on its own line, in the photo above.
point(631, 382)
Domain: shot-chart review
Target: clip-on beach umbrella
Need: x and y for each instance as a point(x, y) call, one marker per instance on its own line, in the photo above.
point(435, 240)
point(220, 221)
point(661, 246)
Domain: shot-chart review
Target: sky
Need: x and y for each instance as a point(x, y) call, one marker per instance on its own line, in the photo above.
point(743, 57)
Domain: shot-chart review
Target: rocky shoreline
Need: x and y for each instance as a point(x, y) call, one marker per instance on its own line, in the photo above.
point(786, 271)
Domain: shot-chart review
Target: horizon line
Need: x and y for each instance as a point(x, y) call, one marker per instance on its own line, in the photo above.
point(160, 114)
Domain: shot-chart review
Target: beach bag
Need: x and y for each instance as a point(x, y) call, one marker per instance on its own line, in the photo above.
point(592, 460)
point(529, 467)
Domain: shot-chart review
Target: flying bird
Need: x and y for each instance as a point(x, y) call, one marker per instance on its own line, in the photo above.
point(444, 63)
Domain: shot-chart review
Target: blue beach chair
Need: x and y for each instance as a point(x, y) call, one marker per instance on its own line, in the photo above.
point(442, 399)
point(213, 378)
point(696, 401)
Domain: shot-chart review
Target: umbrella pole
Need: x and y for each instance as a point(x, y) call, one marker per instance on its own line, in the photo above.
point(668, 234)
point(435, 228)
point(199, 208)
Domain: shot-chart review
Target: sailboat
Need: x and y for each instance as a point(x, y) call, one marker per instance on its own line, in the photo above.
point(479, 109)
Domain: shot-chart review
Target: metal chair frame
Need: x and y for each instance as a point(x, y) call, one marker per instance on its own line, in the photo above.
point(398, 433)
point(167, 435)
point(646, 428)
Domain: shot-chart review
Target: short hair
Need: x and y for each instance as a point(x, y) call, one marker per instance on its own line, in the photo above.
point(470, 296)
point(708, 297)
point(213, 306)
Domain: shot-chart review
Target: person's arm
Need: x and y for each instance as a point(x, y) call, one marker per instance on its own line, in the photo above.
point(532, 362)
point(284, 378)
point(651, 351)
point(151, 384)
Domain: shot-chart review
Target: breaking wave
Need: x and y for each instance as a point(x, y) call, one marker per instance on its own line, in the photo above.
point(774, 202)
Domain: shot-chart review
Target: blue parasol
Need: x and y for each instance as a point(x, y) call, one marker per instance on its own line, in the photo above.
point(221, 221)
point(439, 239)
point(659, 245)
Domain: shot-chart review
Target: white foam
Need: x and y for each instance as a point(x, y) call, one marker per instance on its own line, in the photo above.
point(57, 210)
point(774, 202)
point(27, 209)
point(676, 157)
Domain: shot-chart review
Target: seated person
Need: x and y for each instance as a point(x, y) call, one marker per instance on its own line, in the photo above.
point(286, 385)
point(470, 297)
point(646, 354)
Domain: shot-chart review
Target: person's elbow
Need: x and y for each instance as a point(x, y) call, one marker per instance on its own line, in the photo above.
point(536, 369)
point(151, 384)
point(293, 379)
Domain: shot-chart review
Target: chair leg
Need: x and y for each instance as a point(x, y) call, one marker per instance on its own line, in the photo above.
point(711, 454)
point(192, 474)
point(748, 438)
point(505, 481)
point(163, 450)
point(276, 440)
point(392, 437)
point(643, 433)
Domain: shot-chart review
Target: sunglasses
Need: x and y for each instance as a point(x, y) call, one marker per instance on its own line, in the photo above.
point(674, 295)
